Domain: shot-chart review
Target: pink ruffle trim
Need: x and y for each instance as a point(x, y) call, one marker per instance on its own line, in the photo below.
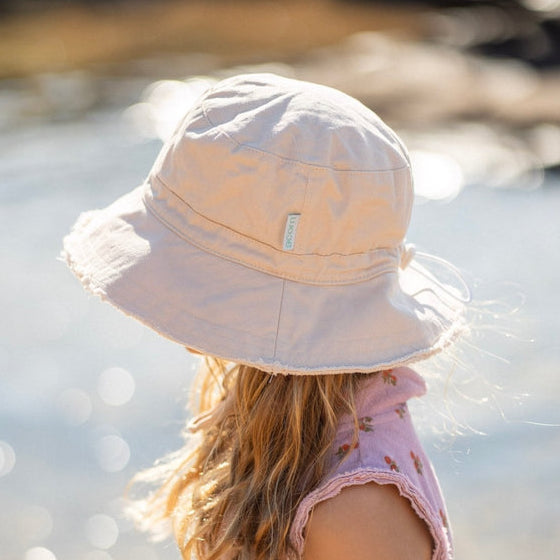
point(333, 487)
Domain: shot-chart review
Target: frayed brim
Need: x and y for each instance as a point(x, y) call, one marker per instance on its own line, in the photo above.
point(127, 256)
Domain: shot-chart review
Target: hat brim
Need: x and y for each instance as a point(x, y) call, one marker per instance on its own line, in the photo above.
point(126, 255)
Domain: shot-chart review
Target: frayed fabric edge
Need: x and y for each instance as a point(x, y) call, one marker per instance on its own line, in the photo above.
point(442, 545)
point(71, 256)
point(92, 287)
point(78, 269)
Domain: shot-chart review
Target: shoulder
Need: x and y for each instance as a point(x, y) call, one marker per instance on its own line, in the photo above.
point(367, 522)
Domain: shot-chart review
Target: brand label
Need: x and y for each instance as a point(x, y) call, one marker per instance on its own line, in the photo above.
point(290, 232)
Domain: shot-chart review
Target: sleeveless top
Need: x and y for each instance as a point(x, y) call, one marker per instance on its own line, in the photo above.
point(387, 452)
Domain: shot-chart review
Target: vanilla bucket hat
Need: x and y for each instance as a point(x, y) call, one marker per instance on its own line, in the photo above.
point(270, 232)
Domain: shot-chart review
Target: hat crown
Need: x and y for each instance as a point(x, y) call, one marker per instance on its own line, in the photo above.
point(303, 122)
point(198, 251)
point(257, 149)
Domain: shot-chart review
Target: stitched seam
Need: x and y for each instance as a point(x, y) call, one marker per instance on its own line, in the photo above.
point(315, 167)
point(279, 318)
point(300, 279)
point(230, 230)
point(242, 236)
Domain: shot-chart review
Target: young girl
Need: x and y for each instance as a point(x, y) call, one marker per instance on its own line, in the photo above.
point(269, 237)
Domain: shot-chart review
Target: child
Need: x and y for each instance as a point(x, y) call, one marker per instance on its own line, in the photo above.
point(269, 237)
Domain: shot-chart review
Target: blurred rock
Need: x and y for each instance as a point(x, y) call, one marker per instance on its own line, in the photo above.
point(423, 83)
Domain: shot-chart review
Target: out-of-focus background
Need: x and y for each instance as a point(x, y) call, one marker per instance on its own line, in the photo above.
point(88, 92)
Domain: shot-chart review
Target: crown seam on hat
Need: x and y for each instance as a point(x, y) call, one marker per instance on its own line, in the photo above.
point(203, 216)
point(298, 279)
point(245, 237)
point(315, 167)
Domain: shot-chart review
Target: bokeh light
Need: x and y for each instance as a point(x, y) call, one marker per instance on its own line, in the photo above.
point(436, 176)
point(39, 553)
point(116, 386)
point(112, 453)
point(102, 531)
point(7, 458)
point(164, 103)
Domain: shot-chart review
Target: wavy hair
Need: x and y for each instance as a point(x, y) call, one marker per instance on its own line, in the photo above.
point(259, 444)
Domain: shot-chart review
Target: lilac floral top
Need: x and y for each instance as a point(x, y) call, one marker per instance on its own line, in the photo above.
point(388, 452)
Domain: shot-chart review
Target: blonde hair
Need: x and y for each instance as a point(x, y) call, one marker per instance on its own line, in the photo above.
point(260, 444)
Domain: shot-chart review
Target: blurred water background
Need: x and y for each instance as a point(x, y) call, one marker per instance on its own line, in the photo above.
point(89, 90)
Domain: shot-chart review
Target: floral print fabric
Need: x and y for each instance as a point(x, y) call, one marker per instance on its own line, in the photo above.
point(387, 452)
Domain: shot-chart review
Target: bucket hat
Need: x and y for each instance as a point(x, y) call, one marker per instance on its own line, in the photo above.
point(270, 232)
